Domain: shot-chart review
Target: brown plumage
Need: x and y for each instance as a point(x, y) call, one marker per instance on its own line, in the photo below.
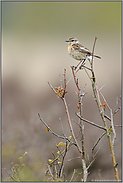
point(78, 51)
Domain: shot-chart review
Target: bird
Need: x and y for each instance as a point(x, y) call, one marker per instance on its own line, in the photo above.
point(78, 51)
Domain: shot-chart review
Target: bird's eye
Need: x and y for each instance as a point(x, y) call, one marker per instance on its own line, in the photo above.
point(72, 40)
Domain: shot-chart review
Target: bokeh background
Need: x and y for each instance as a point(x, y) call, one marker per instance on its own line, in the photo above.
point(34, 52)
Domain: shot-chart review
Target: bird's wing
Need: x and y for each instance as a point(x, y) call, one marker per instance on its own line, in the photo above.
point(81, 48)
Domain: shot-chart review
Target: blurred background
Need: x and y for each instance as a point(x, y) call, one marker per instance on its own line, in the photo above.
point(34, 52)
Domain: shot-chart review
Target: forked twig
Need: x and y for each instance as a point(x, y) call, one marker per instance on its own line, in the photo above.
point(62, 137)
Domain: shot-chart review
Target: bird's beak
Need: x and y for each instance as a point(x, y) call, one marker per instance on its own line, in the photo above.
point(66, 41)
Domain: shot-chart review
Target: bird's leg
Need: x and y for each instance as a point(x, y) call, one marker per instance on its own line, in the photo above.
point(77, 65)
point(83, 60)
point(81, 67)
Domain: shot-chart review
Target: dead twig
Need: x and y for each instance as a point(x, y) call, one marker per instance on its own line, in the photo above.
point(92, 123)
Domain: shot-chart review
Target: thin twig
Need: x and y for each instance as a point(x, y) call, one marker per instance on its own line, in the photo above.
point(116, 110)
point(104, 121)
point(112, 123)
point(117, 125)
point(54, 168)
point(67, 111)
point(92, 123)
point(94, 158)
point(70, 125)
point(101, 87)
point(98, 141)
point(117, 102)
point(50, 172)
point(10, 175)
point(77, 177)
point(68, 81)
point(76, 80)
point(62, 137)
point(52, 87)
point(105, 100)
point(64, 74)
point(93, 54)
point(81, 125)
point(62, 127)
point(80, 110)
point(91, 163)
point(63, 160)
point(98, 96)
point(71, 159)
point(74, 171)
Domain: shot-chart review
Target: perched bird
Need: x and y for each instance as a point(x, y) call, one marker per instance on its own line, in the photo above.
point(78, 51)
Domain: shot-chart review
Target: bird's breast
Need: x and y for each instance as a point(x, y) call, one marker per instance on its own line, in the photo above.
point(75, 53)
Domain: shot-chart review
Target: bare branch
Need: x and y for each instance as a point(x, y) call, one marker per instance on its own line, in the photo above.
point(76, 80)
point(93, 54)
point(64, 74)
point(92, 123)
point(94, 158)
point(117, 109)
point(63, 160)
point(112, 123)
point(74, 171)
point(62, 137)
point(62, 127)
point(98, 141)
point(52, 87)
point(70, 125)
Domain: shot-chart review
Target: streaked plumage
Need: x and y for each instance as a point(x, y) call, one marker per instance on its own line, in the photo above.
point(78, 51)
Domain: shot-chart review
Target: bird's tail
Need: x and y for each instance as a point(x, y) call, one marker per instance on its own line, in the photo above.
point(97, 56)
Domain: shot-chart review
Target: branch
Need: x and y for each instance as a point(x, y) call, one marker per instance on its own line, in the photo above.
point(64, 74)
point(61, 94)
point(104, 121)
point(93, 54)
point(94, 157)
point(98, 141)
point(70, 125)
point(52, 87)
point(63, 160)
point(74, 171)
point(62, 137)
point(117, 109)
point(76, 80)
point(92, 123)
point(112, 123)
point(12, 177)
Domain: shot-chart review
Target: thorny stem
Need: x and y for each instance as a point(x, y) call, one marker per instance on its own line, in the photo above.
point(112, 123)
point(67, 111)
point(107, 132)
point(93, 54)
point(70, 124)
point(81, 125)
point(104, 120)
